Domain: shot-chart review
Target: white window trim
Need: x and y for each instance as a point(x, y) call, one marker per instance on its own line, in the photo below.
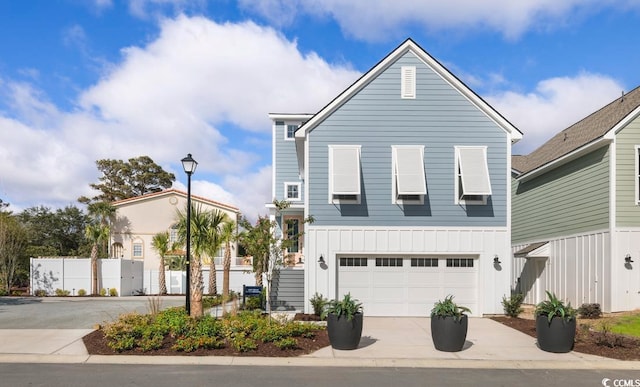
point(137, 241)
point(332, 195)
point(394, 177)
point(286, 186)
point(408, 82)
point(637, 174)
point(286, 129)
point(458, 176)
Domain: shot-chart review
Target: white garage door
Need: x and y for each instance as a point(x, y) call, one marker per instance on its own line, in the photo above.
point(408, 286)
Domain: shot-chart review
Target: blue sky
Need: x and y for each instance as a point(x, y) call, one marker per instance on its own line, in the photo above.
point(82, 80)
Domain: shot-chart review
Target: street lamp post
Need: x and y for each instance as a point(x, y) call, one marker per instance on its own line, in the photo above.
point(189, 165)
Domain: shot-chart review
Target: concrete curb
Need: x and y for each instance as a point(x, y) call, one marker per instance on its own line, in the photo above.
point(321, 362)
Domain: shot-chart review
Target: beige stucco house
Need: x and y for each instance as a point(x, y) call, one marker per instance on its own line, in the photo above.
point(139, 219)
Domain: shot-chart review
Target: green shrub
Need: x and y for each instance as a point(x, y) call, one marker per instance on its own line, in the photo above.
point(113, 292)
point(513, 306)
point(40, 293)
point(82, 292)
point(318, 302)
point(590, 311)
point(211, 301)
point(348, 307)
point(190, 344)
point(287, 343)
point(3, 292)
point(243, 331)
point(448, 308)
point(62, 292)
point(253, 303)
point(103, 292)
point(553, 307)
point(243, 343)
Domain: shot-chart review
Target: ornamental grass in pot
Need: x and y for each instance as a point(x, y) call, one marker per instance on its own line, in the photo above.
point(344, 322)
point(449, 325)
point(555, 325)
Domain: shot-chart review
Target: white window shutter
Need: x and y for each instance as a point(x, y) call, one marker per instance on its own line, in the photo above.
point(408, 81)
point(409, 170)
point(474, 171)
point(346, 170)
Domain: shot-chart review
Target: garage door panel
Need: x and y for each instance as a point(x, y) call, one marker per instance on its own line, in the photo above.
point(405, 290)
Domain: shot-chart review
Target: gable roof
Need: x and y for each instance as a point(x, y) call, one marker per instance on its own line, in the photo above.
point(408, 46)
point(597, 125)
point(527, 250)
point(173, 191)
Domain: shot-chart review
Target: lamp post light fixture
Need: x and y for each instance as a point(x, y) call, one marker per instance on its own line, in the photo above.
point(189, 165)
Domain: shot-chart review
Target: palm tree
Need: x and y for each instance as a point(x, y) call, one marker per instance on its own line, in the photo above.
point(216, 221)
point(160, 243)
point(200, 223)
point(229, 235)
point(96, 234)
point(103, 213)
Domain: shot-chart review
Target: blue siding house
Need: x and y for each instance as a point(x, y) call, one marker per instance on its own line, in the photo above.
point(407, 175)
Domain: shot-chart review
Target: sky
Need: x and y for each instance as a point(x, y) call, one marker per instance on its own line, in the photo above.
point(84, 80)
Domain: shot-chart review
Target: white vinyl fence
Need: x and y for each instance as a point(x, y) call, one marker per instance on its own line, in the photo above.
point(176, 280)
point(73, 274)
point(128, 277)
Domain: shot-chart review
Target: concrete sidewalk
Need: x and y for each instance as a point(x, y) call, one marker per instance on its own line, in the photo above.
point(386, 342)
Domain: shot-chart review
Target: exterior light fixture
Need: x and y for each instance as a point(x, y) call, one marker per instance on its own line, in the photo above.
point(189, 165)
point(496, 260)
point(321, 260)
point(627, 259)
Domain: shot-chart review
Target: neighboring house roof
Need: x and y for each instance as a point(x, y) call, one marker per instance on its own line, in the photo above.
point(174, 192)
point(583, 133)
point(407, 46)
point(529, 249)
point(518, 163)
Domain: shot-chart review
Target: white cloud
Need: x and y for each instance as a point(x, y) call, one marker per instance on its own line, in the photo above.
point(179, 94)
point(375, 20)
point(554, 105)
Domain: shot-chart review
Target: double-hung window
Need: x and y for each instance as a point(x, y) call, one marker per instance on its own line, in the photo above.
point(409, 185)
point(344, 174)
point(472, 175)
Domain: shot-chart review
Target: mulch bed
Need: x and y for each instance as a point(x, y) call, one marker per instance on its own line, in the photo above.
point(588, 341)
point(97, 345)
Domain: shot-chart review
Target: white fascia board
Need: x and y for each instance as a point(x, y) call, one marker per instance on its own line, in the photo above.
point(565, 159)
point(289, 116)
point(623, 122)
point(409, 45)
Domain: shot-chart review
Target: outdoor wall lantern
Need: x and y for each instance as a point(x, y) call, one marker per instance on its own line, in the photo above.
point(321, 260)
point(496, 260)
point(189, 165)
point(627, 258)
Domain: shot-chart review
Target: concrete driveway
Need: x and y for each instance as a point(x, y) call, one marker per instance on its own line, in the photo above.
point(72, 312)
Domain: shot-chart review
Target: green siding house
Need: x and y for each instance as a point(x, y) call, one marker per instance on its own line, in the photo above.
point(576, 211)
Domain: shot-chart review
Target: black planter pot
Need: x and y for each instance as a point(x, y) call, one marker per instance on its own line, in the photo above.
point(449, 334)
point(343, 333)
point(557, 336)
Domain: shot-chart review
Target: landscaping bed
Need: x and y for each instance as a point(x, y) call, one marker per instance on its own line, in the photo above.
point(589, 338)
point(172, 333)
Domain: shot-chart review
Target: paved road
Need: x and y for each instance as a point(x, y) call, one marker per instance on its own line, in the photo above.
point(99, 375)
point(72, 312)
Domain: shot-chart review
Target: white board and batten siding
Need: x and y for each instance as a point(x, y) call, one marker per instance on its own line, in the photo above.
point(626, 276)
point(576, 270)
point(407, 290)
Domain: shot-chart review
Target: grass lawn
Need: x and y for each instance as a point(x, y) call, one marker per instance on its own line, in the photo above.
point(627, 325)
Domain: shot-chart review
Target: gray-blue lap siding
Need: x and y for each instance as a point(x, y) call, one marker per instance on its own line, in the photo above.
point(439, 118)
